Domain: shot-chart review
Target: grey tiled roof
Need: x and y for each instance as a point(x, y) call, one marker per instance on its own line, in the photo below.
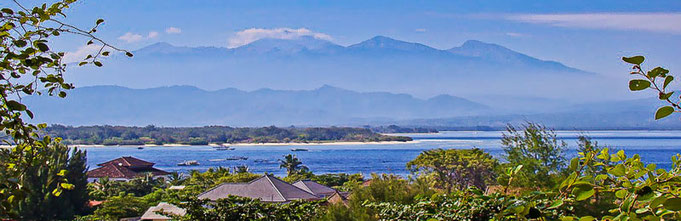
point(266, 188)
point(315, 188)
point(153, 212)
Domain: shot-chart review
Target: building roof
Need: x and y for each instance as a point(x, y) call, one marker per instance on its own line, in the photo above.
point(314, 188)
point(266, 188)
point(125, 167)
point(128, 162)
point(151, 213)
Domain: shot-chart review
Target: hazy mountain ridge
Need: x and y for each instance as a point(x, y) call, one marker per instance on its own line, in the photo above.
point(190, 106)
point(377, 64)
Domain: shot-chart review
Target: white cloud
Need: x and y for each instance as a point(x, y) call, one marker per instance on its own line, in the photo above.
point(656, 22)
point(515, 34)
point(134, 37)
point(173, 30)
point(253, 34)
point(152, 34)
point(420, 30)
point(80, 53)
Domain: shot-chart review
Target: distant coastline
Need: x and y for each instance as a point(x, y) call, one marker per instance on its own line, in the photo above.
point(326, 143)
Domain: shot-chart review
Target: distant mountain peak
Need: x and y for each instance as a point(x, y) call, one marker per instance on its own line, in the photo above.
point(303, 43)
point(383, 42)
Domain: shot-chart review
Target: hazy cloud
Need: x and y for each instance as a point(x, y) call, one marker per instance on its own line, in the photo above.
point(133, 37)
point(657, 22)
point(420, 30)
point(173, 30)
point(515, 34)
point(254, 34)
point(80, 53)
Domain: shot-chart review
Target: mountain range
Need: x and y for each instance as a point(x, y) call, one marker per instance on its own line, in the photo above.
point(324, 106)
point(377, 64)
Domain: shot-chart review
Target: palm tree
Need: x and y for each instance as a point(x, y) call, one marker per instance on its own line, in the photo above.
point(175, 178)
point(292, 164)
point(241, 169)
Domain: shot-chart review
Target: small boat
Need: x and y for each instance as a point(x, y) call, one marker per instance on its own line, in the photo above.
point(189, 163)
point(224, 148)
point(236, 158)
point(299, 149)
point(140, 148)
point(216, 160)
point(262, 161)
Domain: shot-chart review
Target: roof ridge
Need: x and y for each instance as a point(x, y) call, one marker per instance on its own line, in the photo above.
point(305, 185)
point(275, 187)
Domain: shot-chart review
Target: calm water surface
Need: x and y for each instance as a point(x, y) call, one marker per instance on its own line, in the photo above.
point(653, 146)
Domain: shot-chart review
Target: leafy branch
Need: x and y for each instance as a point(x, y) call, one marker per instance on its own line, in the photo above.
point(656, 79)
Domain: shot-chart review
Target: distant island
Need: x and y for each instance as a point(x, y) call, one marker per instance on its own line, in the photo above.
point(124, 135)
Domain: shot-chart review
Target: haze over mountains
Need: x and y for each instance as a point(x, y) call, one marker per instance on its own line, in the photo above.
point(377, 64)
point(378, 81)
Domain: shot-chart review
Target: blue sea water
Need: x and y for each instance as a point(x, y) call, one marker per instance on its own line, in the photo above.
point(653, 147)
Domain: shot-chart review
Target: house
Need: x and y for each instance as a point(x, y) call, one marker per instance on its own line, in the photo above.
point(156, 212)
point(315, 188)
point(266, 188)
point(339, 197)
point(124, 168)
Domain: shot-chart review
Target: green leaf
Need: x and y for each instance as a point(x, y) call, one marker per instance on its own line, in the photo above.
point(663, 112)
point(638, 84)
point(67, 186)
point(556, 204)
point(62, 94)
point(666, 96)
point(667, 80)
point(617, 170)
point(7, 11)
point(673, 204)
point(128, 54)
point(633, 60)
point(621, 194)
point(657, 201)
point(14, 105)
point(574, 163)
point(97, 63)
point(657, 72)
point(99, 21)
point(62, 173)
point(42, 47)
point(587, 218)
point(56, 192)
point(583, 192)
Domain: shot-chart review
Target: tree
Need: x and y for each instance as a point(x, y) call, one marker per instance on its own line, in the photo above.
point(456, 168)
point(29, 67)
point(40, 202)
point(292, 164)
point(538, 150)
point(657, 79)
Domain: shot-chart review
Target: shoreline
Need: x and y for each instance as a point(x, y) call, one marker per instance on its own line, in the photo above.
point(333, 143)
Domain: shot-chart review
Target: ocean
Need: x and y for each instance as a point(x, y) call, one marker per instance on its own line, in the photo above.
point(653, 146)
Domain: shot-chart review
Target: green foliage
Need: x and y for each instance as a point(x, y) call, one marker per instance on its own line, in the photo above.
point(539, 152)
point(53, 191)
point(239, 208)
point(29, 177)
point(120, 135)
point(455, 168)
point(657, 79)
point(293, 165)
point(117, 207)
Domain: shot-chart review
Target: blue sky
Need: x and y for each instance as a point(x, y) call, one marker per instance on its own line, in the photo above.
point(589, 35)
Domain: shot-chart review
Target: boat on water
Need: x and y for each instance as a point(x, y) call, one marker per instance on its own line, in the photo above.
point(216, 160)
point(299, 149)
point(262, 161)
point(188, 163)
point(224, 148)
point(236, 158)
point(140, 148)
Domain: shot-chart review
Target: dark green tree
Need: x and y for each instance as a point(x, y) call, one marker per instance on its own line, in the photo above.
point(456, 168)
point(292, 165)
